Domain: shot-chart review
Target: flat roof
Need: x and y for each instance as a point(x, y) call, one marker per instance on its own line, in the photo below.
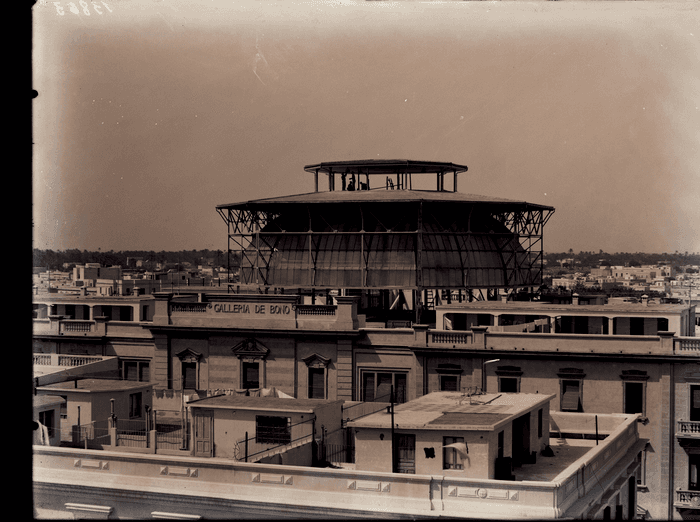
point(40, 401)
point(382, 195)
point(278, 404)
point(95, 385)
point(534, 306)
point(455, 410)
point(385, 166)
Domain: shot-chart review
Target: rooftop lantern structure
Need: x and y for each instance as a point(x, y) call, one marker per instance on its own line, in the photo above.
point(373, 235)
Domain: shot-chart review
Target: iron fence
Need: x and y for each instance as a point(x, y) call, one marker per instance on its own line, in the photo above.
point(132, 433)
point(362, 409)
point(339, 453)
point(93, 435)
point(274, 439)
point(336, 447)
point(171, 429)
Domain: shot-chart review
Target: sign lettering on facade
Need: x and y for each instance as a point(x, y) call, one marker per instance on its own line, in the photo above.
point(252, 309)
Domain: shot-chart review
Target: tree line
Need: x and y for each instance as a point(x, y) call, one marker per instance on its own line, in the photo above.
point(600, 258)
point(56, 259)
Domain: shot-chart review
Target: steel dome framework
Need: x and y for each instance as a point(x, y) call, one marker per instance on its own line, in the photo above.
point(390, 237)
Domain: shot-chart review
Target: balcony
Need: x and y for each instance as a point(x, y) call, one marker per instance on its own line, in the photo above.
point(688, 429)
point(686, 346)
point(687, 499)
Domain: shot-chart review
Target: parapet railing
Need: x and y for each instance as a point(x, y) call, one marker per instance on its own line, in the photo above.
point(53, 359)
point(316, 309)
point(188, 308)
point(686, 346)
point(450, 337)
point(691, 428)
point(688, 498)
point(77, 326)
point(77, 360)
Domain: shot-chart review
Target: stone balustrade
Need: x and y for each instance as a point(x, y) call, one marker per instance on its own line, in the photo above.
point(689, 429)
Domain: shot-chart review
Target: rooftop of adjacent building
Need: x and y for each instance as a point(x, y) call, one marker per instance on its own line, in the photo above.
point(455, 410)
point(43, 401)
point(95, 385)
point(535, 306)
point(276, 404)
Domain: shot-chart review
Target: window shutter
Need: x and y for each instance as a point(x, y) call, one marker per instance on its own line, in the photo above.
point(570, 397)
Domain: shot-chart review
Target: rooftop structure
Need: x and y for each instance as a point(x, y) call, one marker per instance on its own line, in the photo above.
point(388, 237)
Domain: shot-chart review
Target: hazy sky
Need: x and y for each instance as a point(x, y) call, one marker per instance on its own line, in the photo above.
point(150, 113)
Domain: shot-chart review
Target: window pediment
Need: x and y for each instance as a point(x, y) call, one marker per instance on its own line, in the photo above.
point(570, 373)
point(449, 369)
point(316, 361)
point(250, 349)
point(509, 371)
point(634, 375)
point(189, 355)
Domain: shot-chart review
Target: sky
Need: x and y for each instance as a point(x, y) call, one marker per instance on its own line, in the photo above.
point(151, 113)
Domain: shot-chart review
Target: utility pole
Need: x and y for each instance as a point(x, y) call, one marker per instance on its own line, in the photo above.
point(393, 439)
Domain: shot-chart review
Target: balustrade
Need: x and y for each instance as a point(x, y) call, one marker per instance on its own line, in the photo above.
point(688, 498)
point(445, 337)
point(77, 326)
point(689, 428)
point(687, 346)
point(316, 309)
point(188, 308)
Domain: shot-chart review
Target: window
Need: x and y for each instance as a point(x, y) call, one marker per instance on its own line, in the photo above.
point(47, 419)
point(509, 379)
point(135, 405)
point(251, 375)
point(642, 478)
point(508, 384)
point(451, 457)
point(317, 383)
point(694, 403)
point(189, 375)
point(272, 430)
point(449, 383)
point(377, 386)
point(634, 397)
point(694, 471)
point(134, 370)
point(318, 372)
point(571, 393)
point(449, 376)
point(63, 412)
point(571, 396)
point(634, 391)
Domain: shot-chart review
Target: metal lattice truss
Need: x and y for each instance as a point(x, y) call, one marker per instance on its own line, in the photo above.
point(470, 249)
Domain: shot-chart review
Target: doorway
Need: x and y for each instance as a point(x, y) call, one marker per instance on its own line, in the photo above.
point(405, 454)
point(203, 433)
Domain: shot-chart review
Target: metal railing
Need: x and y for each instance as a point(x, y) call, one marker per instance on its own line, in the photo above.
point(362, 409)
point(270, 440)
point(132, 433)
